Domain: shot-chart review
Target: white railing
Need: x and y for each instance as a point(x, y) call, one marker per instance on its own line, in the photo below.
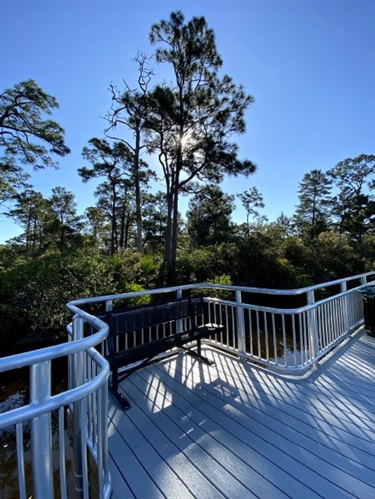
point(40, 430)
point(287, 340)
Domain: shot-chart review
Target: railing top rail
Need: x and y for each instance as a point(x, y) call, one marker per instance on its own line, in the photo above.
point(286, 311)
point(73, 305)
point(53, 352)
point(33, 410)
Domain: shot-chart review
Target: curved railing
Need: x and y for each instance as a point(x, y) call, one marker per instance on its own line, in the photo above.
point(41, 429)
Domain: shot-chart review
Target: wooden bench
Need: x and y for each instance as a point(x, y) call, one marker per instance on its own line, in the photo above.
point(128, 328)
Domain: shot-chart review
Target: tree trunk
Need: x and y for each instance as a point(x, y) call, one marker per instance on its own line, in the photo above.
point(168, 232)
point(34, 236)
point(62, 238)
point(127, 230)
point(27, 238)
point(138, 201)
point(172, 265)
point(114, 241)
point(122, 229)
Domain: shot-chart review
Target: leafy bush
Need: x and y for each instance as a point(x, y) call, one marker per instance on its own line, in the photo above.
point(133, 267)
point(138, 300)
point(35, 292)
point(223, 294)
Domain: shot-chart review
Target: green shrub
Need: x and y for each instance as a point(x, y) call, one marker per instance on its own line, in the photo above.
point(35, 292)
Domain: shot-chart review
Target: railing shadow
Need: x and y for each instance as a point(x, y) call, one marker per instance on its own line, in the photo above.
point(184, 412)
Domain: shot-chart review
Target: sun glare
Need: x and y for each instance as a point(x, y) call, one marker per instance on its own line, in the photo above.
point(186, 139)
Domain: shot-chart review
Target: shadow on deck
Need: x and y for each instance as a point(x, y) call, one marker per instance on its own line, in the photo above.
point(234, 430)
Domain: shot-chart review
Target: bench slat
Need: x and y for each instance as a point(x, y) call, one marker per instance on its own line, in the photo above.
point(123, 321)
point(136, 319)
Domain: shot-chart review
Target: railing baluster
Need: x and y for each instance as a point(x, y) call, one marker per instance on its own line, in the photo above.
point(20, 461)
point(62, 454)
point(234, 335)
point(295, 349)
point(304, 335)
point(274, 338)
point(250, 316)
point(313, 329)
point(83, 443)
point(102, 437)
point(284, 340)
point(240, 324)
point(99, 448)
point(266, 335)
point(258, 333)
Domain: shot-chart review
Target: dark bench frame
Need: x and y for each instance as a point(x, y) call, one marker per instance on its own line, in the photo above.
point(125, 321)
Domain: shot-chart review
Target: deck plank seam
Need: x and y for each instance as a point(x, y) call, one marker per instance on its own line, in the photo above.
point(306, 448)
point(302, 391)
point(187, 435)
point(293, 406)
point(275, 463)
point(127, 448)
point(223, 420)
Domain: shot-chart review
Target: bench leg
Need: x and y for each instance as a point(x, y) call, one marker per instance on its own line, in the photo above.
point(198, 354)
point(113, 388)
point(124, 404)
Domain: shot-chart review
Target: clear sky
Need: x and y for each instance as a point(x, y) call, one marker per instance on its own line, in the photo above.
point(310, 65)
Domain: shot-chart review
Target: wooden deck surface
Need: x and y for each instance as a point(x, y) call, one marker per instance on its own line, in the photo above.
point(236, 431)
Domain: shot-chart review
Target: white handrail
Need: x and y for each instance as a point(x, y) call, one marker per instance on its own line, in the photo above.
point(56, 351)
point(75, 304)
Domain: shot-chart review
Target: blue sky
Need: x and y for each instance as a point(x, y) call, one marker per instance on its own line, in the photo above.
point(310, 65)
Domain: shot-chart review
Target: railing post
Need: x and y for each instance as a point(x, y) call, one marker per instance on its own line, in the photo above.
point(240, 325)
point(41, 433)
point(312, 325)
point(343, 288)
point(78, 380)
point(179, 321)
point(103, 437)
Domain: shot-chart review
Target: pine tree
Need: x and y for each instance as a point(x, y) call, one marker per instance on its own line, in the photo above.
point(313, 211)
point(192, 120)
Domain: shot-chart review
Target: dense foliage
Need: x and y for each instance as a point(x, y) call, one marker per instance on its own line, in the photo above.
point(34, 291)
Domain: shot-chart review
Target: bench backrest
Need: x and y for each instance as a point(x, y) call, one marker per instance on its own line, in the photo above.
point(125, 320)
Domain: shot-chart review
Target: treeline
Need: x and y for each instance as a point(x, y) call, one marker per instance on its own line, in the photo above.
point(34, 290)
point(338, 201)
point(135, 238)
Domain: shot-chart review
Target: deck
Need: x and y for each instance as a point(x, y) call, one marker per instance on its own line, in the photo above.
point(236, 431)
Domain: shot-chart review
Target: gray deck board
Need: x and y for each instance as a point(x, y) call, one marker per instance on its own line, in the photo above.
point(233, 430)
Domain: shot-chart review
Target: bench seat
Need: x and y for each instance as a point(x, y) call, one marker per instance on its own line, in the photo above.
point(128, 322)
point(156, 347)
